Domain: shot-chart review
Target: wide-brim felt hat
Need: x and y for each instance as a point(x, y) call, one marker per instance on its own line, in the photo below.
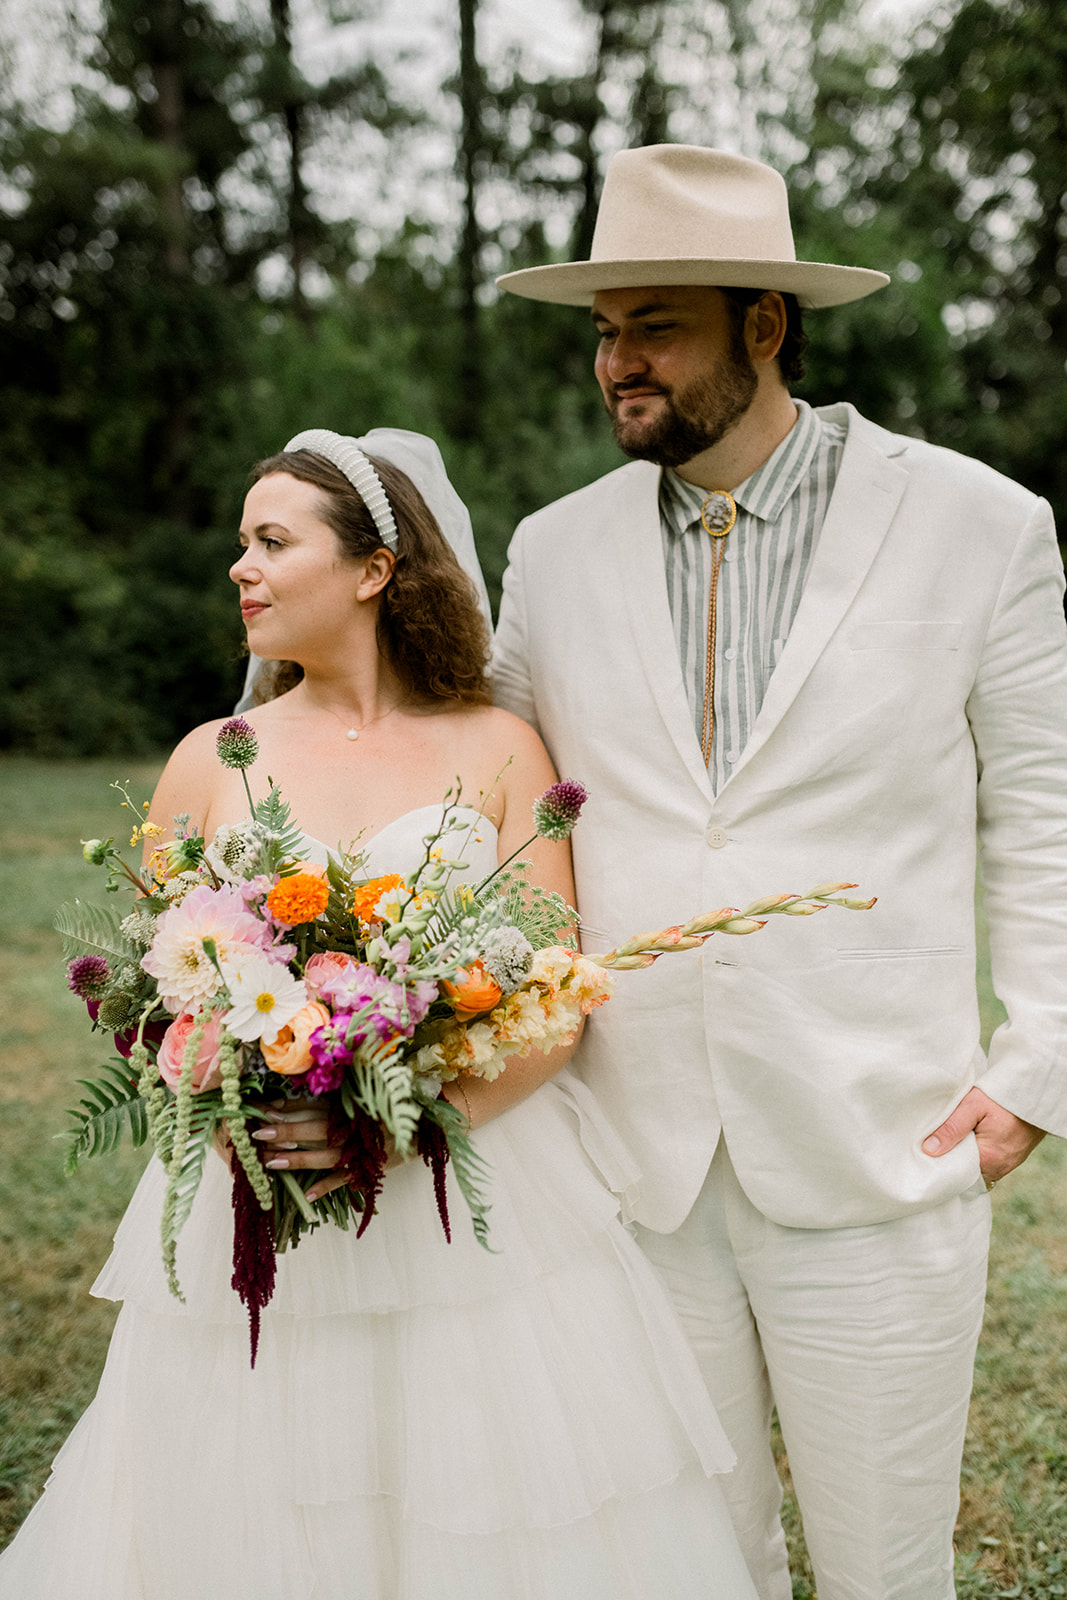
point(682, 214)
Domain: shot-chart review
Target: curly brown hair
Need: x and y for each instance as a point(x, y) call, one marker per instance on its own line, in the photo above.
point(430, 626)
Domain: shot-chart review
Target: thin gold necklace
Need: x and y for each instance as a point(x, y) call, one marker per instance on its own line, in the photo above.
point(717, 516)
point(354, 733)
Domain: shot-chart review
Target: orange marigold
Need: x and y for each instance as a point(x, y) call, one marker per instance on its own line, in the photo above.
point(301, 898)
point(368, 894)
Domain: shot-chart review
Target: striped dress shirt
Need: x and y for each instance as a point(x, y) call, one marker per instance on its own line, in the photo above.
point(780, 511)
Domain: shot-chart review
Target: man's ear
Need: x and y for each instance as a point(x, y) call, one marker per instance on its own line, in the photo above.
point(765, 326)
point(377, 571)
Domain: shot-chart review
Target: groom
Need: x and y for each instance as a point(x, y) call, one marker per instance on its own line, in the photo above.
point(782, 647)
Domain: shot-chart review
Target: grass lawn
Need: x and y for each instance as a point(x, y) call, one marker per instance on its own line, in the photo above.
point(55, 1233)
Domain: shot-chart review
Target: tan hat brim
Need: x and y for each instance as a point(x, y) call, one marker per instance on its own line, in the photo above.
point(574, 283)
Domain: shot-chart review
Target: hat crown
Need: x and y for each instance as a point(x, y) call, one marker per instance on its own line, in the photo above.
point(679, 201)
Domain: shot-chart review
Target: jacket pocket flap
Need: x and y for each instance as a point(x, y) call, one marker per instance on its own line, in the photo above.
point(906, 636)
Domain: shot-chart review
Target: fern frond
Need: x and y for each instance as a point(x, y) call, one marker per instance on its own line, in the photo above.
point(111, 1103)
point(385, 1090)
point(471, 1172)
point(286, 840)
point(91, 930)
point(182, 1186)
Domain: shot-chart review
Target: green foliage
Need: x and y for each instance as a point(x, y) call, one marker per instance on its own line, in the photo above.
point(185, 1131)
point(284, 839)
point(110, 1105)
point(385, 1090)
point(92, 930)
point(471, 1172)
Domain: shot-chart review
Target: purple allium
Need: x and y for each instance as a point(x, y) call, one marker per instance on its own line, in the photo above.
point(237, 744)
point(557, 810)
point(87, 977)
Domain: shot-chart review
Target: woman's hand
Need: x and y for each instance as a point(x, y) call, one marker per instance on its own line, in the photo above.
point(298, 1130)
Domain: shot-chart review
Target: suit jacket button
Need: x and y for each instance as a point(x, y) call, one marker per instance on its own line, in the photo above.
point(715, 836)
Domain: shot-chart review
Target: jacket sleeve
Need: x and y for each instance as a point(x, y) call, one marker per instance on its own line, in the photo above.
point(1018, 715)
point(512, 670)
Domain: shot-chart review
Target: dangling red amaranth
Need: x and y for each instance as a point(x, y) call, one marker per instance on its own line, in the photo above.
point(254, 1261)
point(363, 1157)
point(432, 1146)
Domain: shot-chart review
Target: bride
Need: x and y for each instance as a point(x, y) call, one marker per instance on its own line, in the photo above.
point(425, 1421)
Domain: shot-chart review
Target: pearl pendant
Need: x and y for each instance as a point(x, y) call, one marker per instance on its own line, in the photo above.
point(353, 733)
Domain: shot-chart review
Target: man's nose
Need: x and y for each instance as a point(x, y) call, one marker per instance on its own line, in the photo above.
point(626, 358)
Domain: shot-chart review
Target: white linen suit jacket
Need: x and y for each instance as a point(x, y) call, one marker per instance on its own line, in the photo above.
point(918, 708)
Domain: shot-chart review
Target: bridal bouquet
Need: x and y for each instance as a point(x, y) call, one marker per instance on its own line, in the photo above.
point(244, 976)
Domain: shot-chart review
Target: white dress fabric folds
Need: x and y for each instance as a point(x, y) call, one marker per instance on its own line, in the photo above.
point(425, 1421)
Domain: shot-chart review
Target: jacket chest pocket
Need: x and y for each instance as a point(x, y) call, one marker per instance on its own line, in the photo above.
point(906, 636)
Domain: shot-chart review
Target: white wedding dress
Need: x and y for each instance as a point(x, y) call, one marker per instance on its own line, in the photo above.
point(425, 1421)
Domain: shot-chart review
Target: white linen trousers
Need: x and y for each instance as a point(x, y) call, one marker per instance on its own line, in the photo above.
point(864, 1338)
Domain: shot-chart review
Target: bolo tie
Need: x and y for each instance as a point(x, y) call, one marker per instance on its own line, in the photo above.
point(717, 516)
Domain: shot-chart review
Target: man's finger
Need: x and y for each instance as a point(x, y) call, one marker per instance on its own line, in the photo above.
point(955, 1127)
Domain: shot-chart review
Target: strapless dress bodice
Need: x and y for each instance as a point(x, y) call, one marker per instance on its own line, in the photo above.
point(399, 846)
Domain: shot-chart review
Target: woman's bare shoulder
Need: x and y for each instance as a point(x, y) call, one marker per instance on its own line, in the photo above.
point(191, 776)
point(506, 732)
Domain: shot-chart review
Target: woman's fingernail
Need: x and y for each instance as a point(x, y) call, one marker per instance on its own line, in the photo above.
point(312, 1194)
point(273, 1166)
point(265, 1133)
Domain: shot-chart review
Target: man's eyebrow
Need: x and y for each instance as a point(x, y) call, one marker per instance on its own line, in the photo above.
point(652, 308)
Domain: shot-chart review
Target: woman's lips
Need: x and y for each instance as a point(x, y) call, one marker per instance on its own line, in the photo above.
point(251, 608)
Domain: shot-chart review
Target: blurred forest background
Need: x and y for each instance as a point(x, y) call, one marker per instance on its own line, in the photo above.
point(216, 235)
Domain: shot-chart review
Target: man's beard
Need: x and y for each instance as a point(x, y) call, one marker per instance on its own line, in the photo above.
point(690, 419)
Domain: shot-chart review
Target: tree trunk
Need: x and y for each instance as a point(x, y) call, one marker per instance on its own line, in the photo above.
point(294, 111)
point(468, 409)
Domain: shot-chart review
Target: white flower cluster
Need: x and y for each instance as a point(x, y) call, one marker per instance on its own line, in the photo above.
point(234, 851)
point(506, 957)
point(140, 928)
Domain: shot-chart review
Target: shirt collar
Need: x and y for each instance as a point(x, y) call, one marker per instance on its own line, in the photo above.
point(763, 494)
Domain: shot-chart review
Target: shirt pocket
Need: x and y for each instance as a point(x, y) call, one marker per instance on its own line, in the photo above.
point(906, 636)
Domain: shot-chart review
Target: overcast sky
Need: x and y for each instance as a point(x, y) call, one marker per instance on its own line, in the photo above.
point(552, 34)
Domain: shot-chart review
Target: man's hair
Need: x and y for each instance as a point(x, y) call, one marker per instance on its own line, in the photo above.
point(791, 355)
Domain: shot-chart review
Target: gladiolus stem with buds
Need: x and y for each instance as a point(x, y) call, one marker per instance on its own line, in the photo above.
point(644, 948)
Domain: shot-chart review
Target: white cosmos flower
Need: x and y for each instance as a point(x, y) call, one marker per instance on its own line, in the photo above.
point(264, 996)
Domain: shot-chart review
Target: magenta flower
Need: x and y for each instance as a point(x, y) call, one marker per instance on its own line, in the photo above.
point(87, 977)
point(557, 810)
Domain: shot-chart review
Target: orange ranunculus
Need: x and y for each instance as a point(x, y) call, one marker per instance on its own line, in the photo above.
point(299, 898)
point(367, 895)
point(290, 1053)
point(475, 992)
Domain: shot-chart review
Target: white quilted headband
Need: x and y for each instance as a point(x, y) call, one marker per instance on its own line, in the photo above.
point(348, 458)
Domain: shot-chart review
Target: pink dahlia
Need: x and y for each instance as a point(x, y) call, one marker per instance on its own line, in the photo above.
point(177, 959)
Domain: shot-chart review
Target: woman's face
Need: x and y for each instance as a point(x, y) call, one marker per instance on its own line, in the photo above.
point(299, 590)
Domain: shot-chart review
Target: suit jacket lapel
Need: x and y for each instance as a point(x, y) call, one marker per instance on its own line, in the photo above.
point(868, 491)
point(641, 567)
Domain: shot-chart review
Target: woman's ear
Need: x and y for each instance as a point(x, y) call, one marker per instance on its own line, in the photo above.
point(377, 571)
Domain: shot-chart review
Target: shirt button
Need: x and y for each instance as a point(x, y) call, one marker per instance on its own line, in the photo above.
point(729, 555)
point(731, 755)
point(715, 836)
point(731, 654)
